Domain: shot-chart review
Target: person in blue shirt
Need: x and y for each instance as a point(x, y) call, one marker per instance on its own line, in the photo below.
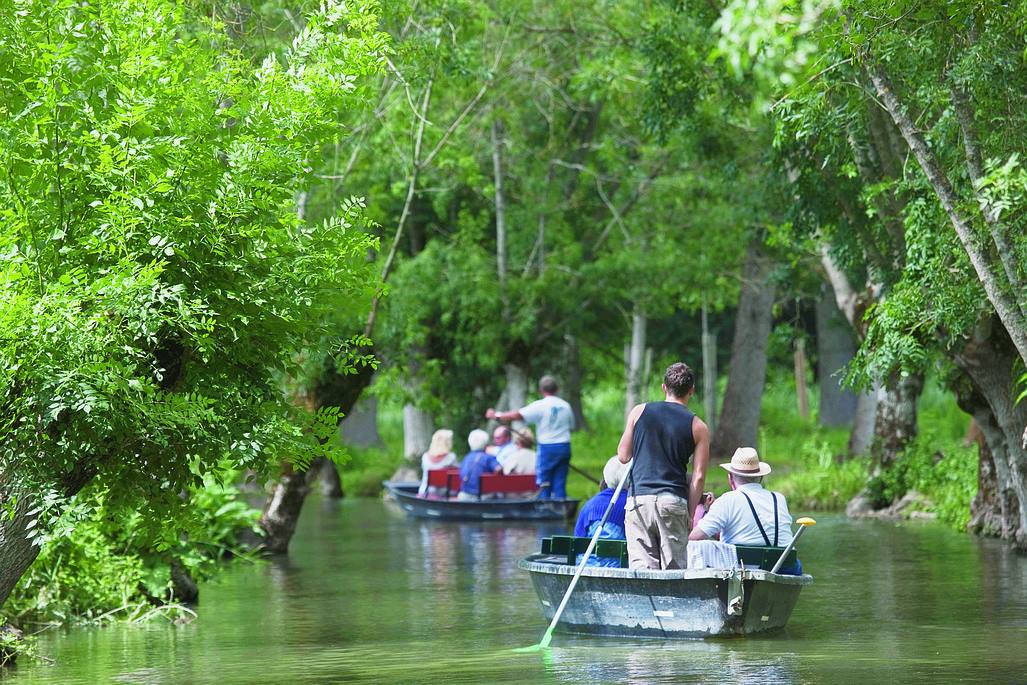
point(476, 463)
point(592, 512)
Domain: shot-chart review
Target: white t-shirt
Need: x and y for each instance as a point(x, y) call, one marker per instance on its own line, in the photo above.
point(731, 516)
point(520, 461)
point(554, 419)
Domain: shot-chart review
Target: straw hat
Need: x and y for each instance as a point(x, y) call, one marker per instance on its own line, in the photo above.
point(746, 462)
point(613, 471)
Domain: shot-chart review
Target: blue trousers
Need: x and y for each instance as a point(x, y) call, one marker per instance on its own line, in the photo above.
point(552, 465)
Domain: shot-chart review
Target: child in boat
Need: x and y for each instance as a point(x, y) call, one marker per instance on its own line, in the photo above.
point(439, 456)
point(749, 514)
point(592, 511)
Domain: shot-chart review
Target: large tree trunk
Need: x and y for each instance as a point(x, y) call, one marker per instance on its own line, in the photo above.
point(835, 349)
point(635, 361)
point(740, 415)
point(862, 435)
point(417, 430)
point(988, 360)
point(572, 381)
point(16, 548)
point(516, 392)
point(19, 521)
point(360, 427)
point(285, 503)
point(895, 425)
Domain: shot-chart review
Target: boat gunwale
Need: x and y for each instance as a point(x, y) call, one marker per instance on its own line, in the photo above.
point(548, 565)
point(499, 502)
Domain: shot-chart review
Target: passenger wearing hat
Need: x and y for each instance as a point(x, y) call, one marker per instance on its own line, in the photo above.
point(749, 514)
point(661, 439)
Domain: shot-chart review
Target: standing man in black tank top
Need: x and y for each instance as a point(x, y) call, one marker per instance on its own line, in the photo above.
point(661, 437)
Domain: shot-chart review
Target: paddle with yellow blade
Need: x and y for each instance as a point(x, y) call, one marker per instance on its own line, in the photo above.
point(805, 522)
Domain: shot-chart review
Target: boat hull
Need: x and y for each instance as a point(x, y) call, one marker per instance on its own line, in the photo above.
point(667, 604)
point(507, 509)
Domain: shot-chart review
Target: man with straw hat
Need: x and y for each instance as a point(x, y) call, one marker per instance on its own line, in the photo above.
point(749, 514)
point(660, 439)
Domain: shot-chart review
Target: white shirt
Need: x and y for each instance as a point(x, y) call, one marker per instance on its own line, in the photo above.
point(427, 464)
point(731, 516)
point(554, 418)
point(504, 451)
point(520, 461)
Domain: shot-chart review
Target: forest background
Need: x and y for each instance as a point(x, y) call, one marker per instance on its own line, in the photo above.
point(227, 226)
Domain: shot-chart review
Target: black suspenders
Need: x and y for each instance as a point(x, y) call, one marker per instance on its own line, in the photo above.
point(759, 525)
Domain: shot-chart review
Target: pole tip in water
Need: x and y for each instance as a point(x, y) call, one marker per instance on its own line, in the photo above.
point(805, 521)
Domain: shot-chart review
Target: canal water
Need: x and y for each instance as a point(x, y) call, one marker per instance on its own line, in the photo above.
point(370, 596)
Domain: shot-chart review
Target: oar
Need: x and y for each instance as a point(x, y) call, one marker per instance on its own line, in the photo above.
point(548, 637)
point(805, 522)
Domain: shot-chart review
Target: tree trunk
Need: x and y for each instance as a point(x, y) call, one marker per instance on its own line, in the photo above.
point(835, 349)
point(282, 511)
point(801, 385)
point(572, 381)
point(359, 428)
point(500, 201)
point(740, 415)
point(635, 385)
point(896, 422)
point(709, 372)
point(516, 392)
point(16, 548)
point(284, 504)
point(331, 483)
point(417, 429)
point(988, 360)
point(862, 435)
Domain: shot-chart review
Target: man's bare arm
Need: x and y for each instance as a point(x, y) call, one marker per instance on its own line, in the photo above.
point(700, 460)
point(624, 447)
point(503, 416)
point(697, 534)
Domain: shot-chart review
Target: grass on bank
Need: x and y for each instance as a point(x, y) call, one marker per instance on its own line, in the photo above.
point(808, 459)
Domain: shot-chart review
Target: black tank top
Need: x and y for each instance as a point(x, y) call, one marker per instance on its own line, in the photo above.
point(661, 446)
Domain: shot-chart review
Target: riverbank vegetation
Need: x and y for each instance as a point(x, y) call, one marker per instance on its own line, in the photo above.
point(224, 223)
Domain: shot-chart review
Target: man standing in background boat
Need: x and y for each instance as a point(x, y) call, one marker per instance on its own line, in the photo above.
point(662, 437)
point(555, 421)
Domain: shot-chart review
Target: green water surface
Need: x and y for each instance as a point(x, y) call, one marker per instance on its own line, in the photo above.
point(371, 596)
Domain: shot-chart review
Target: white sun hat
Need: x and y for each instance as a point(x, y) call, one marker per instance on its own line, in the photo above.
point(746, 462)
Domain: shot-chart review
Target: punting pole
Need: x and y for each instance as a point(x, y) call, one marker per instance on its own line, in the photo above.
point(805, 522)
point(548, 637)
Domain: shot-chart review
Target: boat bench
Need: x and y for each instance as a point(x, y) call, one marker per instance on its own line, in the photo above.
point(447, 479)
point(497, 483)
point(763, 557)
point(491, 483)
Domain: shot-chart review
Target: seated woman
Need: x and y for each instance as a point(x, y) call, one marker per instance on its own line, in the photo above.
point(592, 511)
point(477, 462)
point(522, 460)
point(439, 456)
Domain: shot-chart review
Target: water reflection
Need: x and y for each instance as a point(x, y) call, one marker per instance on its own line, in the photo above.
point(370, 595)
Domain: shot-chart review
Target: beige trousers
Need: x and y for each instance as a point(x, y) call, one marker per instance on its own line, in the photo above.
point(657, 529)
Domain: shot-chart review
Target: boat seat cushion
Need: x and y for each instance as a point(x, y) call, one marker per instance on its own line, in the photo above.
point(763, 557)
